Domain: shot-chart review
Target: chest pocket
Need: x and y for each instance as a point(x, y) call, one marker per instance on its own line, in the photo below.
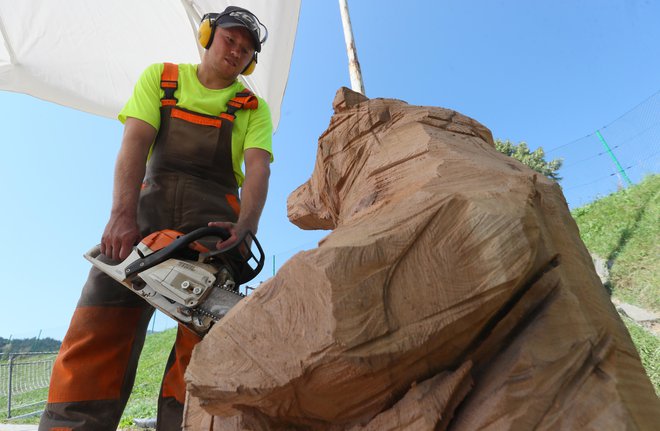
point(202, 141)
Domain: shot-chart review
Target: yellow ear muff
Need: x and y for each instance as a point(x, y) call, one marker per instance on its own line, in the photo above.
point(250, 67)
point(205, 32)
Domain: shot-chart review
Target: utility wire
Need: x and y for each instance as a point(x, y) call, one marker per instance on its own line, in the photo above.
point(607, 125)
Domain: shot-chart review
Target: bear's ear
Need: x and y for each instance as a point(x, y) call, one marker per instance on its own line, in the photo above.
point(346, 99)
point(306, 210)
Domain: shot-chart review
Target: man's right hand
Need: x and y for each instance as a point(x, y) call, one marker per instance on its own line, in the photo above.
point(120, 235)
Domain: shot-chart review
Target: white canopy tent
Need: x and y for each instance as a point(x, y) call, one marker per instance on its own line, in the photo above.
point(88, 54)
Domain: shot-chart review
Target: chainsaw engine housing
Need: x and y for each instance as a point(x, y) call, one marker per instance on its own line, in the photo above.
point(182, 277)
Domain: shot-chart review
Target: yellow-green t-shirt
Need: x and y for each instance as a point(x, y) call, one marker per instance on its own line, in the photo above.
point(253, 128)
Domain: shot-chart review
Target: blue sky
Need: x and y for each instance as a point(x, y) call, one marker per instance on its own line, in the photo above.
point(544, 72)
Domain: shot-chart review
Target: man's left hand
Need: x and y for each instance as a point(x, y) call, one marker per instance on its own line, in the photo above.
point(235, 234)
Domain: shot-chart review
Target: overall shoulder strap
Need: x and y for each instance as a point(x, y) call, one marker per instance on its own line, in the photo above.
point(169, 82)
point(242, 100)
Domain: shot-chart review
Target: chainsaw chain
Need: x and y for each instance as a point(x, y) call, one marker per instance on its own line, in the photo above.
point(210, 314)
point(206, 313)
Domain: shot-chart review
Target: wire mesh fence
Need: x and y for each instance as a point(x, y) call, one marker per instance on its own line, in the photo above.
point(613, 157)
point(24, 379)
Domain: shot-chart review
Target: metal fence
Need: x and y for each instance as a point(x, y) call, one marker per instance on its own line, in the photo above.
point(613, 157)
point(24, 378)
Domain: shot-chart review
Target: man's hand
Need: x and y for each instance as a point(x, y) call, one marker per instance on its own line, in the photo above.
point(235, 234)
point(253, 197)
point(120, 235)
point(122, 232)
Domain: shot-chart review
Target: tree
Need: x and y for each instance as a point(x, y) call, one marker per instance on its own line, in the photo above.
point(29, 345)
point(534, 159)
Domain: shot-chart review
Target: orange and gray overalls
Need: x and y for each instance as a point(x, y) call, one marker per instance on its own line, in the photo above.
point(189, 181)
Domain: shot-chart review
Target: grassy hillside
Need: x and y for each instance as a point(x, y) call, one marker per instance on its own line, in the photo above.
point(648, 347)
point(624, 229)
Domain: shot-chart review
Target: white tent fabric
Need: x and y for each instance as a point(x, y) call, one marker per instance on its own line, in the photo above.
point(88, 54)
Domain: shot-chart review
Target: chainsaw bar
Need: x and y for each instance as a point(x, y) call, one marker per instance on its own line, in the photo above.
point(214, 315)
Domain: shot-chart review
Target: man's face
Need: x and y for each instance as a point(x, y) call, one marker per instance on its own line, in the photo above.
point(231, 51)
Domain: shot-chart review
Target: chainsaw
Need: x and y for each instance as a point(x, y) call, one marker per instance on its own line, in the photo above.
point(184, 276)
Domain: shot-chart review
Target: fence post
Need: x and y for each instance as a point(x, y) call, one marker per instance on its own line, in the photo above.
point(616, 161)
point(11, 367)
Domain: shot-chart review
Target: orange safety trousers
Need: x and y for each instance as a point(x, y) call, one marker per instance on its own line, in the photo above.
point(94, 372)
point(189, 181)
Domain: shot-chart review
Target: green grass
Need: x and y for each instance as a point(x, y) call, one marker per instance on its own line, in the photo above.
point(648, 347)
point(35, 400)
point(624, 229)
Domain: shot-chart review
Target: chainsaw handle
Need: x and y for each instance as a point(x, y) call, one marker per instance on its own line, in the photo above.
point(181, 242)
point(114, 269)
point(248, 273)
point(245, 272)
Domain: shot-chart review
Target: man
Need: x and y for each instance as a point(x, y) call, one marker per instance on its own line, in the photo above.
point(196, 125)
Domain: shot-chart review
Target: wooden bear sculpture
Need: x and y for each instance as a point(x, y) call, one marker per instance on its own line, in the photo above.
point(453, 292)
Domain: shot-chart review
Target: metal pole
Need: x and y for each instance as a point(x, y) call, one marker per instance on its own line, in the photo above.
point(616, 162)
point(353, 64)
point(11, 366)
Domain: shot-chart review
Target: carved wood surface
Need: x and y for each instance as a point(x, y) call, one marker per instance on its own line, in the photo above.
point(454, 292)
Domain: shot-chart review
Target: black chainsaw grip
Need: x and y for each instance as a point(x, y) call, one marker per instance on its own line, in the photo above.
point(180, 243)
